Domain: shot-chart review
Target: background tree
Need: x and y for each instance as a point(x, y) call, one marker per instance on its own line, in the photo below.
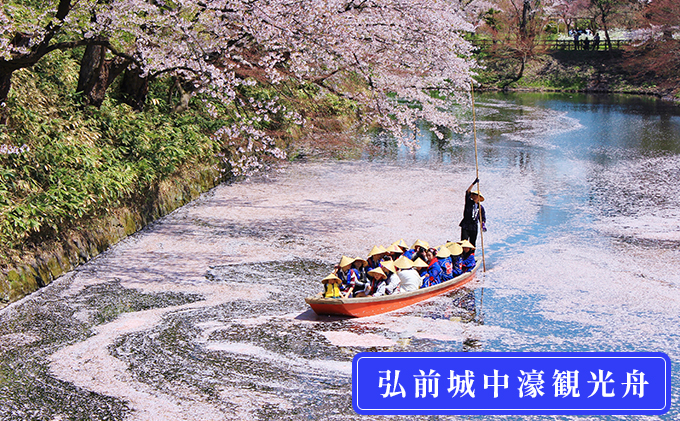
point(657, 56)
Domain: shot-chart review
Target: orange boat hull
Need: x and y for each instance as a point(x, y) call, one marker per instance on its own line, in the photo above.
point(369, 306)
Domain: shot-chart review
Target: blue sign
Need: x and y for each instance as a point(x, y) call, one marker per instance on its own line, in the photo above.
point(602, 383)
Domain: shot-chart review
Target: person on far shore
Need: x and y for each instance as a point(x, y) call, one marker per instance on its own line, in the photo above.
point(472, 214)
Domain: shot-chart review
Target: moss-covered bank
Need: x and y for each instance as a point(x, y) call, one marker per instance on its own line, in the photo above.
point(41, 264)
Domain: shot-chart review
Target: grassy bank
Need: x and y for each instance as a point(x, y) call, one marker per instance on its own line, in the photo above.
point(75, 179)
point(573, 71)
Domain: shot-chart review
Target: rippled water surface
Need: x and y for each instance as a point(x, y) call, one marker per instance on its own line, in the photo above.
point(201, 315)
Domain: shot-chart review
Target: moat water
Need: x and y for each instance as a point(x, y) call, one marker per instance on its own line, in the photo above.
point(201, 316)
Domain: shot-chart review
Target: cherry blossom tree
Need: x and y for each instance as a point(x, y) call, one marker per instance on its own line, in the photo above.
point(410, 54)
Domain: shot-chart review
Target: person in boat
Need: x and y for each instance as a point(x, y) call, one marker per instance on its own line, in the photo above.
point(468, 256)
point(433, 272)
point(445, 263)
point(375, 256)
point(473, 213)
point(331, 285)
point(417, 250)
point(393, 252)
point(378, 279)
point(456, 251)
point(391, 284)
point(409, 279)
point(420, 266)
point(352, 282)
point(345, 262)
point(402, 245)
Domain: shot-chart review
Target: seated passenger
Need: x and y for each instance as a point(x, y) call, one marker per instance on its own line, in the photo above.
point(353, 278)
point(468, 257)
point(341, 268)
point(378, 281)
point(420, 266)
point(331, 286)
point(393, 252)
point(433, 273)
point(392, 282)
point(374, 257)
point(401, 244)
point(418, 250)
point(409, 279)
point(445, 262)
point(456, 250)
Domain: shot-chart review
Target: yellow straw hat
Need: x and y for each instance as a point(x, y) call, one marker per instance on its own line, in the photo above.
point(481, 198)
point(443, 252)
point(363, 262)
point(403, 263)
point(423, 244)
point(401, 243)
point(393, 248)
point(345, 261)
point(389, 265)
point(331, 277)
point(377, 250)
point(420, 263)
point(377, 273)
point(454, 248)
point(466, 243)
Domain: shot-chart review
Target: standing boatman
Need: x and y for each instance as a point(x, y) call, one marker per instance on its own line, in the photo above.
point(471, 215)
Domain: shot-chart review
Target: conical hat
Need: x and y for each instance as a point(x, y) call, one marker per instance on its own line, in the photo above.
point(359, 259)
point(331, 277)
point(466, 243)
point(403, 263)
point(377, 273)
point(377, 250)
point(389, 265)
point(481, 198)
point(420, 263)
point(423, 244)
point(345, 261)
point(443, 252)
point(393, 248)
point(401, 243)
point(454, 248)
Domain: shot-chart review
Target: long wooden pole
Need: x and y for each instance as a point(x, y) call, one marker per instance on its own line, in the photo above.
point(474, 131)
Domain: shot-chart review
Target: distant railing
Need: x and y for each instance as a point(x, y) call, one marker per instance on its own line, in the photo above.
point(566, 44)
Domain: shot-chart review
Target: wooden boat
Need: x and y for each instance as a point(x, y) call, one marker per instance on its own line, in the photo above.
point(369, 306)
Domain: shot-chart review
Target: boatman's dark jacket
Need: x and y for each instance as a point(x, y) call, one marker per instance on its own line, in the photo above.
point(471, 214)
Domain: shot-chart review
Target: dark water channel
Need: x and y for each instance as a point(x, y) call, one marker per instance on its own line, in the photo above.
point(201, 315)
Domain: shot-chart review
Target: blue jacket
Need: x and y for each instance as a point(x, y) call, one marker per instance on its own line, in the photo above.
point(457, 266)
point(410, 253)
point(468, 263)
point(353, 276)
point(433, 274)
point(447, 268)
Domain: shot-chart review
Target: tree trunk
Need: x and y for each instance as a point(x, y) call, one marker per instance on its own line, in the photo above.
point(135, 88)
point(97, 74)
point(608, 40)
point(185, 90)
point(5, 85)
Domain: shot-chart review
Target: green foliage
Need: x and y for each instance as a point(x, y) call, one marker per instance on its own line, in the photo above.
point(80, 162)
